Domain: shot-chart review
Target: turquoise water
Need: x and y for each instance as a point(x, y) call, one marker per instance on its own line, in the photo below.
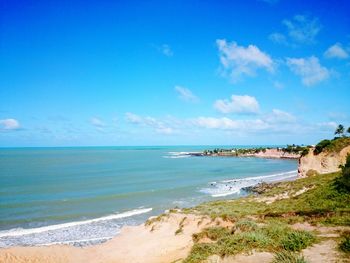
point(85, 195)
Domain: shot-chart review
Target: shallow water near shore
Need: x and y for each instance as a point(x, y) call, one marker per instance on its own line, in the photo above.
point(85, 195)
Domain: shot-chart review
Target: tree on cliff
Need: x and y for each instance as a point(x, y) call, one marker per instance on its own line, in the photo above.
point(340, 130)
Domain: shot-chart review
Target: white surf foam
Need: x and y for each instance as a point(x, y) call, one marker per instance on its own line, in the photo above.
point(21, 231)
point(77, 241)
point(284, 174)
point(176, 155)
point(234, 186)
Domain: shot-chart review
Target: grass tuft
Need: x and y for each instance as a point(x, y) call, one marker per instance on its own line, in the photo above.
point(288, 257)
point(213, 233)
point(273, 236)
point(246, 225)
point(297, 240)
point(155, 219)
point(200, 252)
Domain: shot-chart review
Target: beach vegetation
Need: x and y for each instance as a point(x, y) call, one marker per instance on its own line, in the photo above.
point(345, 242)
point(272, 236)
point(311, 172)
point(246, 225)
point(335, 145)
point(343, 182)
point(179, 230)
point(297, 240)
point(181, 226)
point(155, 219)
point(305, 151)
point(321, 145)
point(213, 233)
point(288, 257)
point(323, 202)
point(261, 226)
point(296, 149)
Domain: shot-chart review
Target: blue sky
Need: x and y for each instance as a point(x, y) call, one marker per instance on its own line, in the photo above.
point(173, 72)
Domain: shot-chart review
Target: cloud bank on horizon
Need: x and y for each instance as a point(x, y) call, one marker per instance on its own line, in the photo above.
point(215, 76)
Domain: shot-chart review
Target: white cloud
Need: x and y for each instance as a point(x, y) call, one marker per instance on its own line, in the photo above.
point(238, 104)
point(216, 123)
point(336, 51)
point(309, 69)
point(9, 124)
point(229, 124)
point(331, 125)
point(238, 61)
point(185, 94)
point(166, 50)
point(97, 122)
point(273, 122)
point(302, 29)
point(165, 130)
point(278, 38)
point(157, 125)
point(279, 116)
point(133, 118)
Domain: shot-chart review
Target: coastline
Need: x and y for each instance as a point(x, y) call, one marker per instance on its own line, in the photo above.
point(172, 236)
point(268, 153)
point(133, 244)
point(166, 225)
point(183, 182)
point(199, 234)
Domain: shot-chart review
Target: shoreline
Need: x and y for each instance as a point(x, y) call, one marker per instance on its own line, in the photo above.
point(134, 212)
point(268, 153)
point(224, 189)
point(122, 247)
point(82, 253)
point(200, 233)
point(169, 237)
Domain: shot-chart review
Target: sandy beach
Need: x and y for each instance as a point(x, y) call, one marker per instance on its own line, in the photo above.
point(154, 243)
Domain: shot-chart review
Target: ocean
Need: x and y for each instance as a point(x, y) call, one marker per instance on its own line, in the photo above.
point(85, 195)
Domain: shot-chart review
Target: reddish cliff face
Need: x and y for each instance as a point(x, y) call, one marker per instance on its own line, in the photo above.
point(324, 162)
point(274, 153)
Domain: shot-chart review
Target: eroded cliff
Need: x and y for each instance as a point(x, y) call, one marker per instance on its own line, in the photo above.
point(327, 161)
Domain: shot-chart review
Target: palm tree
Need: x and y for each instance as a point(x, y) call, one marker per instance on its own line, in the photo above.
point(348, 130)
point(340, 130)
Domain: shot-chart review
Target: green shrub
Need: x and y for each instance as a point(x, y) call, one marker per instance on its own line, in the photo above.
point(272, 236)
point(200, 252)
point(305, 151)
point(213, 233)
point(288, 257)
point(179, 230)
point(321, 145)
point(246, 225)
point(343, 182)
point(311, 172)
point(297, 240)
point(245, 241)
point(345, 243)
